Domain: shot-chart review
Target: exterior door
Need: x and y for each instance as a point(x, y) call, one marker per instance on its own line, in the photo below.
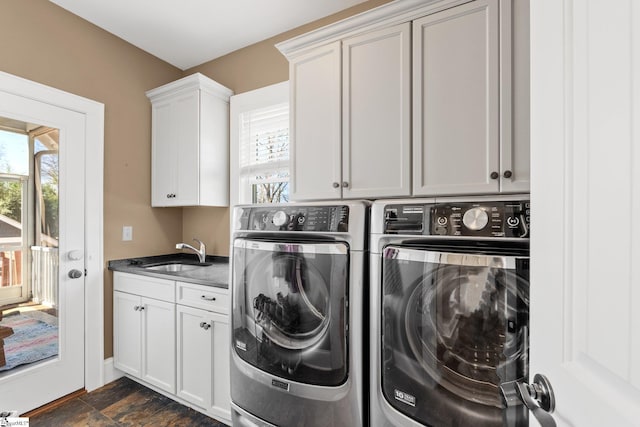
point(585, 242)
point(33, 385)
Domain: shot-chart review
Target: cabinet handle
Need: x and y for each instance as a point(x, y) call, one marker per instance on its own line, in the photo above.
point(494, 175)
point(205, 325)
point(336, 185)
point(171, 196)
point(136, 307)
point(141, 307)
point(345, 184)
point(206, 298)
point(507, 174)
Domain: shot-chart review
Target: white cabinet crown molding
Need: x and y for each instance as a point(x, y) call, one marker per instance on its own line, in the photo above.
point(191, 82)
point(396, 12)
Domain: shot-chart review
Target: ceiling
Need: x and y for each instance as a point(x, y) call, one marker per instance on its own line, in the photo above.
point(186, 33)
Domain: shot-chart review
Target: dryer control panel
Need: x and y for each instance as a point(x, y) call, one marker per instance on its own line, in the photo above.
point(508, 219)
point(295, 218)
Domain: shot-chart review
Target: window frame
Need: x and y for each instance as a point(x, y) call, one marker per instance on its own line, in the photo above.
point(238, 104)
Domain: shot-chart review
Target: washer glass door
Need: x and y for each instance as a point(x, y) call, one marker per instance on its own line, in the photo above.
point(289, 312)
point(454, 329)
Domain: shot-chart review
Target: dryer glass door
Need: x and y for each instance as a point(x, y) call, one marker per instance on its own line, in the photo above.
point(289, 312)
point(455, 328)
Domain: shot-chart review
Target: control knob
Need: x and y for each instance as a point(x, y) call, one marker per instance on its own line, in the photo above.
point(280, 218)
point(475, 219)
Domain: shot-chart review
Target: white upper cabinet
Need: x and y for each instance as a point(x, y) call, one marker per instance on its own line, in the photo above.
point(515, 95)
point(190, 143)
point(456, 100)
point(434, 101)
point(470, 99)
point(376, 115)
point(351, 104)
point(315, 124)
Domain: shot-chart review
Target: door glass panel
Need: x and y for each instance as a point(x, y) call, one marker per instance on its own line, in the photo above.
point(289, 316)
point(455, 327)
point(28, 244)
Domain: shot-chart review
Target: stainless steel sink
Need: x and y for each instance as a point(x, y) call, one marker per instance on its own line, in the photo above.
point(174, 267)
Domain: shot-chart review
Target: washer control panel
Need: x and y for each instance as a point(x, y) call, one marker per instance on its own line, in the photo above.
point(295, 218)
point(478, 219)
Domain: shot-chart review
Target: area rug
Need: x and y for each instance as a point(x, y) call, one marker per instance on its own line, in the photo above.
point(35, 337)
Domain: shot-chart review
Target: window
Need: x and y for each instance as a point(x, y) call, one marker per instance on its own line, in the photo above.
point(260, 145)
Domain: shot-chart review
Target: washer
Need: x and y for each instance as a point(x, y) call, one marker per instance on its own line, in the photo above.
point(449, 311)
point(297, 284)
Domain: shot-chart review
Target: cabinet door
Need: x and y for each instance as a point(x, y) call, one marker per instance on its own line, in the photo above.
point(514, 102)
point(127, 349)
point(174, 175)
point(221, 400)
point(159, 343)
point(315, 124)
point(376, 125)
point(194, 352)
point(456, 100)
point(203, 360)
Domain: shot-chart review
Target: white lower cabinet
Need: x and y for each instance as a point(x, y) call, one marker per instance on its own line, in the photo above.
point(180, 348)
point(203, 347)
point(144, 333)
point(203, 359)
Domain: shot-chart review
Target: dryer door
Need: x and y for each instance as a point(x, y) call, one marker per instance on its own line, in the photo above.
point(455, 328)
point(289, 308)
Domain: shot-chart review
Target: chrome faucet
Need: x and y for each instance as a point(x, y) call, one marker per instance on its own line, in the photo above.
point(202, 252)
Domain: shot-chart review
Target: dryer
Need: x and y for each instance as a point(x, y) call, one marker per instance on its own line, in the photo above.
point(297, 282)
point(449, 311)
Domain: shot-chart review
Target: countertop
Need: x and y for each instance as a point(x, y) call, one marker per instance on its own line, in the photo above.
point(216, 274)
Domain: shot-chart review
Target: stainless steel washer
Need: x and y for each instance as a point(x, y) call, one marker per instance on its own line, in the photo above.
point(298, 275)
point(449, 311)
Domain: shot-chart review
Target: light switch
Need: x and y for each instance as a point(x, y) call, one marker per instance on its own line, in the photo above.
point(127, 233)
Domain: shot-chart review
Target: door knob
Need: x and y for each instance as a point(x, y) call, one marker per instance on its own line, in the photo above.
point(75, 274)
point(205, 325)
point(538, 397)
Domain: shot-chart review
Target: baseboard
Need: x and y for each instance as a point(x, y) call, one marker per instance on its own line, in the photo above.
point(110, 372)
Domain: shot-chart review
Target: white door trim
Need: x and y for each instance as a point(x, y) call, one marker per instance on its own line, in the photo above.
point(94, 165)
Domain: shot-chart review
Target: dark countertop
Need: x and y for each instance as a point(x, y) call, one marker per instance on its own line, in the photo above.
point(216, 274)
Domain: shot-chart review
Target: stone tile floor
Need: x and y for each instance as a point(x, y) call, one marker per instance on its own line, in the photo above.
point(123, 402)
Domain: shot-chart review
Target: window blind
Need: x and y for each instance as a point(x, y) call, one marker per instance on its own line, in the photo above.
point(264, 149)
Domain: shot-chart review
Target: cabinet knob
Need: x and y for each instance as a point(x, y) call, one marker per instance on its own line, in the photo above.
point(136, 307)
point(494, 175)
point(206, 298)
point(345, 184)
point(205, 325)
point(507, 174)
point(336, 185)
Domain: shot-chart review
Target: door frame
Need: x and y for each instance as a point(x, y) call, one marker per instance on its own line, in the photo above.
point(94, 166)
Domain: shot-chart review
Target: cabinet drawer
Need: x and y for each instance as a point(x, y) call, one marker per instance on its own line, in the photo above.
point(161, 289)
point(205, 297)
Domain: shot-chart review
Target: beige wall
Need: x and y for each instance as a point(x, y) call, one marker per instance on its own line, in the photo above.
point(46, 44)
point(246, 69)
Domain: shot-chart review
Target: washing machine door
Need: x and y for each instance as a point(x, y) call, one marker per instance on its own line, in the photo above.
point(454, 329)
point(289, 308)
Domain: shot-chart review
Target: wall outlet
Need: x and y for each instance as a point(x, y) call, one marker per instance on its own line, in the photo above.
point(127, 233)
